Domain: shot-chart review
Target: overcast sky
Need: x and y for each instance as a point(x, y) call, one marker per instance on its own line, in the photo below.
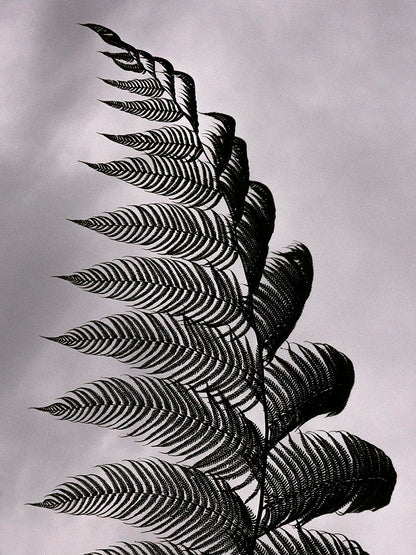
point(323, 93)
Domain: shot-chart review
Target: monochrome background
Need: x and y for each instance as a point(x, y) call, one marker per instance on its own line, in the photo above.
point(323, 92)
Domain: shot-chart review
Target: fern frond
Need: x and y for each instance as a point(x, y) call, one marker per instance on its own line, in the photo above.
point(155, 109)
point(178, 503)
point(171, 230)
point(147, 548)
point(165, 74)
point(179, 85)
point(218, 437)
point(185, 97)
point(217, 138)
point(174, 141)
point(145, 87)
point(191, 183)
point(325, 473)
point(279, 300)
point(190, 353)
point(308, 382)
point(161, 285)
point(210, 338)
point(107, 35)
point(234, 179)
point(290, 540)
point(128, 61)
point(254, 231)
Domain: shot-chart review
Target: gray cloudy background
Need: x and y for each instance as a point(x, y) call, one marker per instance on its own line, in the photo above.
point(323, 93)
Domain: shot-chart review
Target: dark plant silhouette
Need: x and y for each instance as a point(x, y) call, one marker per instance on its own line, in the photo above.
point(208, 318)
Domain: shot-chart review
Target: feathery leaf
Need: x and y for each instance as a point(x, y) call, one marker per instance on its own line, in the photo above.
point(254, 231)
point(217, 139)
point(212, 348)
point(171, 230)
point(155, 109)
point(215, 435)
point(174, 141)
point(107, 35)
point(129, 61)
point(312, 381)
point(145, 87)
point(190, 353)
point(279, 300)
point(290, 540)
point(146, 548)
point(161, 285)
point(178, 503)
point(234, 179)
point(324, 473)
point(191, 183)
point(185, 97)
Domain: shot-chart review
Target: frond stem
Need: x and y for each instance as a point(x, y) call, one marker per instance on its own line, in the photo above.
point(265, 455)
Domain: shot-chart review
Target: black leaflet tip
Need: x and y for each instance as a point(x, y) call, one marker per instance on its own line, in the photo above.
point(108, 136)
point(89, 164)
point(83, 223)
point(47, 504)
point(50, 338)
point(66, 278)
point(112, 103)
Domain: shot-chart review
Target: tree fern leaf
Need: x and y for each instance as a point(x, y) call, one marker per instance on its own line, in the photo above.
point(290, 540)
point(155, 109)
point(217, 139)
point(185, 97)
point(216, 436)
point(313, 381)
point(157, 67)
point(107, 35)
point(165, 74)
point(134, 338)
point(183, 84)
point(172, 230)
point(162, 285)
point(191, 183)
point(129, 61)
point(178, 503)
point(150, 86)
point(239, 353)
point(147, 548)
point(174, 141)
point(192, 354)
point(324, 473)
point(233, 181)
point(254, 231)
point(281, 295)
point(212, 350)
